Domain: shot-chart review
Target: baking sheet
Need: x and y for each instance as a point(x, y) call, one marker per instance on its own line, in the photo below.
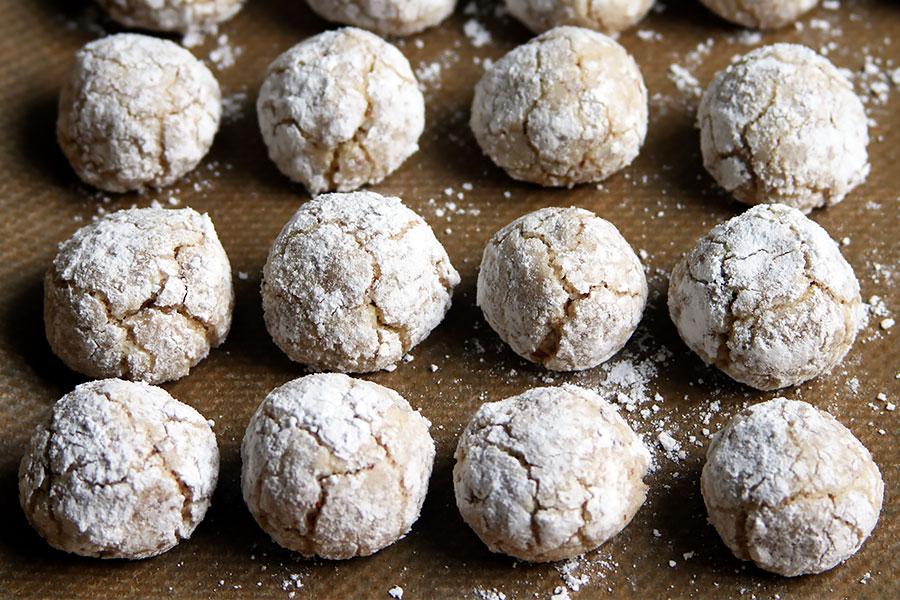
point(661, 204)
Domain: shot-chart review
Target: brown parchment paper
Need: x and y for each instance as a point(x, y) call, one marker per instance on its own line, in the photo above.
point(661, 204)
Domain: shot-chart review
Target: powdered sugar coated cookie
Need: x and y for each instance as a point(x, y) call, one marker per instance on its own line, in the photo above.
point(354, 281)
point(549, 474)
point(335, 466)
point(607, 16)
point(136, 111)
point(783, 125)
point(562, 287)
point(119, 470)
point(760, 14)
point(141, 294)
point(568, 107)
point(385, 17)
point(790, 488)
point(767, 298)
point(340, 110)
point(171, 15)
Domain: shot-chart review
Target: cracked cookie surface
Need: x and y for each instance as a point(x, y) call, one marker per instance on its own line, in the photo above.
point(119, 470)
point(767, 298)
point(760, 14)
point(549, 474)
point(562, 287)
point(385, 17)
point(607, 16)
point(136, 111)
point(340, 110)
point(568, 107)
point(141, 294)
point(790, 488)
point(353, 282)
point(782, 125)
point(171, 15)
point(334, 466)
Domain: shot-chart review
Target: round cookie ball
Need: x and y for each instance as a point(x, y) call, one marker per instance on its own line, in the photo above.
point(562, 287)
point(340, 110)
point(607, 16)
point(790, 488)
point(335, 466)
point(767, 298)
point(141, 294)
point(119, 470)
point(760, 14)
point(385, 17)
point(353, 282)
point(567, 107)
point(781, 124)
point(549, 474)
point(171, 15)
point(136, 111)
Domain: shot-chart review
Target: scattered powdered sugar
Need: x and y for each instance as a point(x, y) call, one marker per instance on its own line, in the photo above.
point(567, 570)
point(428, 73)
point(671, 446)
point(684, 81)
point(648, 35)
point(560, 593)
point(477, 33)
point(491, 594)
point(233, 107)
point(396, 592)
point(224, 54)
point(630, 379)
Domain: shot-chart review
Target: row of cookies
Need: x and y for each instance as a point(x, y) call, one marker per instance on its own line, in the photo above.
point(343, 109)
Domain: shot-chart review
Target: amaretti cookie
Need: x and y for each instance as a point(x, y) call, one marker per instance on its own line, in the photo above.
point(353, 282)
point(567, 107)
point(767, 298)
point(562, 287)
point(790, 488)
point(783, 125)
point(334, 466)
point(140, 294)
point(340, 110)
point(549, 474)
point(119, 470)
point(136, 111)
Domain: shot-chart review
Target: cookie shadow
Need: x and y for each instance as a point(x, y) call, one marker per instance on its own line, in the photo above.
point(22, 331)
point(36, 133)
